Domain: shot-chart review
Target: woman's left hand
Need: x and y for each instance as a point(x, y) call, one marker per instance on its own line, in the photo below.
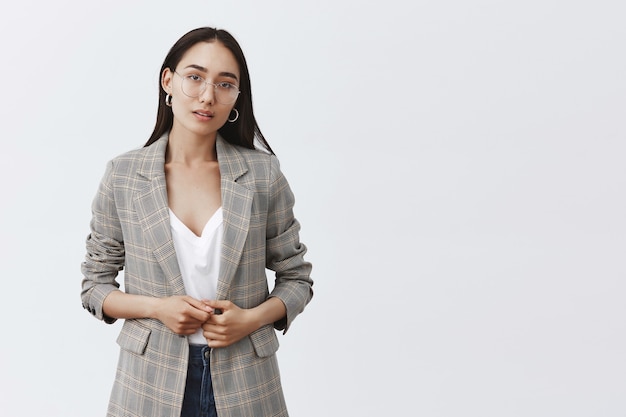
point(232, 325)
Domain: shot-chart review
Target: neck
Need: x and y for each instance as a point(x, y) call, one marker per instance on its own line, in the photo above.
point(188, 148)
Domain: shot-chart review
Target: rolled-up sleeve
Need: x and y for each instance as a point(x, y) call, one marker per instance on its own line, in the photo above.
point(285, 253)
point(104, 250)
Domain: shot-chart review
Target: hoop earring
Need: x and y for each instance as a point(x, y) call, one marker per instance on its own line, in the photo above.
point(168, 100)
point(236, 115)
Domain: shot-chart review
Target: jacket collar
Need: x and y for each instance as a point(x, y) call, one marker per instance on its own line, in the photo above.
point(152, 206)
point(232, 162)
point(236, 209)
point(153, 164)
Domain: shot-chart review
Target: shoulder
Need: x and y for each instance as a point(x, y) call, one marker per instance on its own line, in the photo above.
point(263, 164)
point(128, 157)
point(258, 162)
point(147, 160)
point(134, 155)
point(131, 169)
point(123, 165)
point(256, 154)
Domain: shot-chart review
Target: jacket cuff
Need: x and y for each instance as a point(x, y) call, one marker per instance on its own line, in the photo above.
point(96, 299)
point(293, 305)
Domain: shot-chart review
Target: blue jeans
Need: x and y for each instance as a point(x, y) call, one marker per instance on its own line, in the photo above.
point(198, 400)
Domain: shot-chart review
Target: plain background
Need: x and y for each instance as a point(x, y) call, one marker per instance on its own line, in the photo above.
point(459, 169)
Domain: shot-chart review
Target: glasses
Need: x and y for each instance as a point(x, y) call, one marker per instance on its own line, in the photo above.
point(194, 85)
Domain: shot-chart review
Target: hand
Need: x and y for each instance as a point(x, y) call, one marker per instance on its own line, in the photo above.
point(183, 315)
point(221, 330)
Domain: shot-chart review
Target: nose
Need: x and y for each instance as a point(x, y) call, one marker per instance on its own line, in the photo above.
point(208, 95)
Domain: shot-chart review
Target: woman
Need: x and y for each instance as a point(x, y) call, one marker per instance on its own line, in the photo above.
point(194, 218)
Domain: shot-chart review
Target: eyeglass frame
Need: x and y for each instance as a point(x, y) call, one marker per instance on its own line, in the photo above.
point(206, 83)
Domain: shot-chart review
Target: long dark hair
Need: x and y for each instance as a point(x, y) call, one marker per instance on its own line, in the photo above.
point(241, 132)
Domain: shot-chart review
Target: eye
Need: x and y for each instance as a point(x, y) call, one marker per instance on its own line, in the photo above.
point(195, 78)
point(226, 86)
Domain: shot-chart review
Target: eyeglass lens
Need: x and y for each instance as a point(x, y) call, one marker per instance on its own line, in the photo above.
point(225, 93)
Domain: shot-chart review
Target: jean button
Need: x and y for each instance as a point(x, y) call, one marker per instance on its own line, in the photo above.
point(207, 354)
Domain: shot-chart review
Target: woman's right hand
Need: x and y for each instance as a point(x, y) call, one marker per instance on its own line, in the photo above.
point(182, 314)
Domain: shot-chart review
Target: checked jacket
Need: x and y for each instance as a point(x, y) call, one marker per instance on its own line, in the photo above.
point(130, 231)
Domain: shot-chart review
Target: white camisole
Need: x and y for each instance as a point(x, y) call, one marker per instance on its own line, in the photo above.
point(199, 260)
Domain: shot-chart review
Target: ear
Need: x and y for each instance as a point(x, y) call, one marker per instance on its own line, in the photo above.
point(166, 80)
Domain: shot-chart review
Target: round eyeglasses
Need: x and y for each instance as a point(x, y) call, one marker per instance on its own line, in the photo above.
point(194, 85)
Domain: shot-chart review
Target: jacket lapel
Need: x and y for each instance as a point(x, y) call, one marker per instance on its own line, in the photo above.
point(236, 205)
point(152, 209)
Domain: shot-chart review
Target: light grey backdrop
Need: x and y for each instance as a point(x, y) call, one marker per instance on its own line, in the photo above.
point(459, 173)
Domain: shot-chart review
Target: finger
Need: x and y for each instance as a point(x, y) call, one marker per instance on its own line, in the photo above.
point(214, 344)
point(213, 328)
point(216, 332)
point(209, 335)
point(219, 306)
point(200, 305)
point(190, 325)
point(185, 331)
point(214, 340)
point(198, 317)
point(194, 315)
point(214, 319)
point(191, 322)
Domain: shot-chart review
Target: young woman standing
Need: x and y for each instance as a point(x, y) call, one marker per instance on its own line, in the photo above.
point(194, 218)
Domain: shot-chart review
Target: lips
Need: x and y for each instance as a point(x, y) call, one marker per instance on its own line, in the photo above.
point(204, 113)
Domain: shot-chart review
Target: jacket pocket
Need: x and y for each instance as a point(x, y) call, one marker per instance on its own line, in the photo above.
point(265, 341)
point(134, 337)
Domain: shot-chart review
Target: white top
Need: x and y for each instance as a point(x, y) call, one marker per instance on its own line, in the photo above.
point(199, 260)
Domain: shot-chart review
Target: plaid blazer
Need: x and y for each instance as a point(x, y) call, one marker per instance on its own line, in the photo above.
point(130, 230)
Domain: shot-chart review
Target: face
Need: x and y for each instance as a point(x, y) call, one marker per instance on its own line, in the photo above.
point(203, 115)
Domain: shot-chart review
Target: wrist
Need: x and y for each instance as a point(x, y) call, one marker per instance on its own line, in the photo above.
point(254, 318)
point(269, 312)
point(153, 307)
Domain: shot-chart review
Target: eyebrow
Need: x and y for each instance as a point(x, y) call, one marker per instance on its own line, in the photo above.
point(221, 74)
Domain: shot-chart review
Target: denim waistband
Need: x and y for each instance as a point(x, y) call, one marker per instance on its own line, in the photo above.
point(199, 353)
